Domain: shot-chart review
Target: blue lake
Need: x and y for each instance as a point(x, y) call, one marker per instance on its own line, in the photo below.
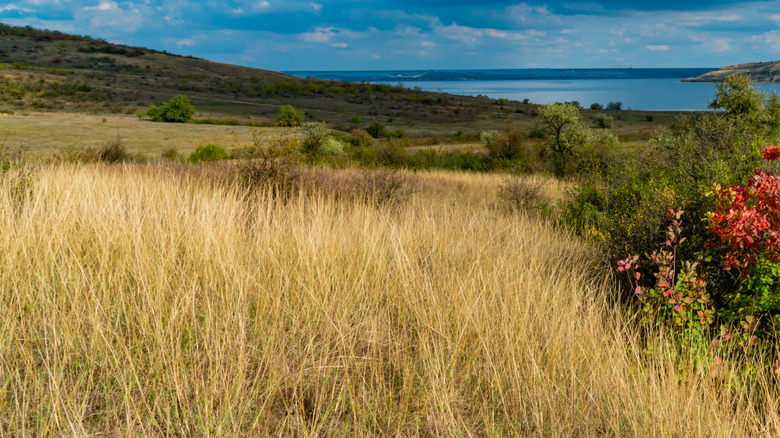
point(639, 89)
point(639, 94)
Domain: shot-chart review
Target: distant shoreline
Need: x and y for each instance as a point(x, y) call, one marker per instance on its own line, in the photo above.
point(502, 74)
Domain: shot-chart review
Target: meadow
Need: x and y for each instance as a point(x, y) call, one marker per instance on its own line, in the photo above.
point(165, 300)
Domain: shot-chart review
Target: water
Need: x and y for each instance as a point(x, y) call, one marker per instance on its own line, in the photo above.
point(639, 89)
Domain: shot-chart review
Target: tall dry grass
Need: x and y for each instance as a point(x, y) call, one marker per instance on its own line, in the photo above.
point(137, 302)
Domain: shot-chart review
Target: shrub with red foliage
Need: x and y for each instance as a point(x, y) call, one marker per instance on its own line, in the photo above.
point(747, 218)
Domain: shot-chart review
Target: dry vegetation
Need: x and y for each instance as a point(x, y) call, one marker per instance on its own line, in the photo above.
point(137, 300)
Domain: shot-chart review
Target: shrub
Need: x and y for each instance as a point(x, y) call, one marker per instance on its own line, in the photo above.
point(314, 134)
point(596, 106)
point(273, 167)
point(177, 110)
point(114, 152)
point(360, 138)
point(508, 144)
point(380, 186)
point(356, 120)
point(209, 152)
point(171, 154)
point(603, 121)
point(376, 129)
point(523, 193)
point(615, 106)
point(289, 116)
point(332, 146)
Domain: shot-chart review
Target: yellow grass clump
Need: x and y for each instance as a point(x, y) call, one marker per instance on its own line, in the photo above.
point(135, 301)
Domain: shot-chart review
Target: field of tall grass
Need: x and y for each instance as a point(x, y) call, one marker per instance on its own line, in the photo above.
point(138, 300)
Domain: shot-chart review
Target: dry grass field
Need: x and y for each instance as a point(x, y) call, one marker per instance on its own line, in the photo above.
point(47, 134)
point(147, 301)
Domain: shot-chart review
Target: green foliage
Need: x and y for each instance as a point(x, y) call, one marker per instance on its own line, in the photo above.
point(596, 106)
point(177, 110)
point(209, 152)
point(289, 116)
point(360, 138)
point(171, 154)
point(356, 120)
point(603, 121)
point(738, 97)
point(554, 119)
point(332, 146)
point(376, 129)
point(313, 137)
point(615, 106)
point(508, 144)
point(622, 201)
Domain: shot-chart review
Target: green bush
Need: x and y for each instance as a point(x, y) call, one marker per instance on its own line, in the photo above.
point(623, 201)
point(209, 152)
point(376, 129)
point(508, 144)
point(332, 146)
point(314, 134)
point(603, 121)
point(596, 106)
point(177, 110)
point(289, 116)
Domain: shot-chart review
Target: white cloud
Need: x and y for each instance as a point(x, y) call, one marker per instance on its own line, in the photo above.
point(657, 48)
point(340, 45)
point(320, 35)
point(110, 19)
point(12, 7)
point(103, 6)
point(316, 7)
point(185, 42)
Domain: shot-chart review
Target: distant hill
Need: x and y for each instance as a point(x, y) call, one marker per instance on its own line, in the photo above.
point(767, 72)
point(55, 71)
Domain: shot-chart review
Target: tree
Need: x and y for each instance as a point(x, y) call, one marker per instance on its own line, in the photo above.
point(615, 106)
point(738, 97)
point(596, 106)
point(289, 116)
point(554, 119)
point(177, 110)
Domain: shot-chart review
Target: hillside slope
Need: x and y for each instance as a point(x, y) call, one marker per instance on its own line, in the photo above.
point(767, 72)
point(48, 70)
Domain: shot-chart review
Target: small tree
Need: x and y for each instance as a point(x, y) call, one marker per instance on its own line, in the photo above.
point(177, 110)
point(615, 106)
point(554, 119)
point(596, 106)
point(289, 116)
point(738, 97)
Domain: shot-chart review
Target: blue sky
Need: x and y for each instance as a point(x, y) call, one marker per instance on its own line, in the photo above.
point(425, 34)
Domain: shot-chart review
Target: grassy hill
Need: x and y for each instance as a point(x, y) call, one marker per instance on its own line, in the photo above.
point(767, 72)
point(51, 71)
point(48, 70)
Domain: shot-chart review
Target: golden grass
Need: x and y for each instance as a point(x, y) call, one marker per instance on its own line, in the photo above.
point(137, 302)
point(47, 134)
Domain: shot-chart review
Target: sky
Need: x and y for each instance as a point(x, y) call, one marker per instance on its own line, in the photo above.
point(425, 34)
